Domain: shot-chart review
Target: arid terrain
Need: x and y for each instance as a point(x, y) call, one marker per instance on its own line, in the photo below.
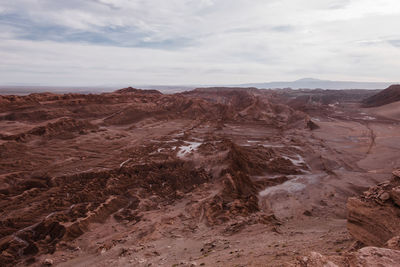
point(208, 177)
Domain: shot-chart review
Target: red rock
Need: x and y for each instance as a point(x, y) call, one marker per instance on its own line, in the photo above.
point(372, 219)
point(395, 195)
point(393, 243)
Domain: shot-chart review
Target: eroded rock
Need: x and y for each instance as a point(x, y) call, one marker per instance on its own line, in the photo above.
point(374, 217)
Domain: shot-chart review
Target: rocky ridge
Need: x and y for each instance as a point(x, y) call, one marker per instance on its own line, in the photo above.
point(373, 220)
point(387, 96)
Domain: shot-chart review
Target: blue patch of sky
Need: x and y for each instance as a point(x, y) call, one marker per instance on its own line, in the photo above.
point(27, 29)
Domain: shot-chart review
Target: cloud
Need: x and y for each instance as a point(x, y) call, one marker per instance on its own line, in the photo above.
point(339, 4)
point(395, 43)
point(283, 28)
point(124, 36)
point(197, 41)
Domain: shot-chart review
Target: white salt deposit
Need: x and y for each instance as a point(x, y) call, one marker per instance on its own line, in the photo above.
point(289, 186)
point(268, 145)
point(188, 148)
point(123, 163)
point(296, 184)
point(369, 118)
point(298, 162)
point(169, 141)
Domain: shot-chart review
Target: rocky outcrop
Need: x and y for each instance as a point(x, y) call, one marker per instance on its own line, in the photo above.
point(250, 104)
point(239, 194)
point(62, 128)
point(314, 259)
point(312, 125)
point(368, 256)
point(137, 91)
point(373, 220)
point(374, 217)
point(373, 256)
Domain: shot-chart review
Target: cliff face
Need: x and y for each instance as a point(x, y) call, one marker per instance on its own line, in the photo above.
point(374, 217)
point(374, 221)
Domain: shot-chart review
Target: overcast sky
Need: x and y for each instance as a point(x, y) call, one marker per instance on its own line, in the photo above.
point(109, 42)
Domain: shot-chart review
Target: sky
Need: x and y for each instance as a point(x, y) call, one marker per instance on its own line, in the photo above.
point(191, 42)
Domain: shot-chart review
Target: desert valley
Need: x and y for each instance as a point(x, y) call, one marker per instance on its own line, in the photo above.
point(207, 177)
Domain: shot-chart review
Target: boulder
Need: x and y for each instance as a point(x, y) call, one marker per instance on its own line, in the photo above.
point(395, 195)
point(393, 243)
point(367, 256)
point(314, 259)
point(373, 256)
point(48, 262)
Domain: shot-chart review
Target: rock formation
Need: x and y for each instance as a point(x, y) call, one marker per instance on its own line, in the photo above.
point(373, 218)
point(387, 96)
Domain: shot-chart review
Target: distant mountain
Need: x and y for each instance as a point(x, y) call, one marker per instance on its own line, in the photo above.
point(311, 83)
point(306, 83)
point(387, 96)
